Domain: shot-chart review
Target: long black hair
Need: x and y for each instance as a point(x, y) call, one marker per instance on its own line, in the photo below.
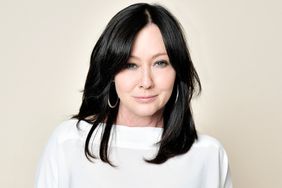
point(109, 57)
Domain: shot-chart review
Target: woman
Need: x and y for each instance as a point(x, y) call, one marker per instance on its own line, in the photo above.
point(135, 123)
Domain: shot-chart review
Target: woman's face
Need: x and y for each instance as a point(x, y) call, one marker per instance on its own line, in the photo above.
point(146, 84)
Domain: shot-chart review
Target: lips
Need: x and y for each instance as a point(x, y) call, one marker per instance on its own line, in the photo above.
point(145, 99)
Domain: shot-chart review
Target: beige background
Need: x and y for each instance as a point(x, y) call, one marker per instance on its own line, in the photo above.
point(236, 47)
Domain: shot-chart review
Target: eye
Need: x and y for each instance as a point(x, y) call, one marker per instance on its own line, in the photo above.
point(161, 63)
point(130, 66)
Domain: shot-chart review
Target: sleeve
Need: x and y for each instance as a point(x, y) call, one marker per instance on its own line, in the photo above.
point(51, 164)
point(225, 176)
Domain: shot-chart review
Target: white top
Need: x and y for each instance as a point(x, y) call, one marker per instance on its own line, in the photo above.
point(64, 165)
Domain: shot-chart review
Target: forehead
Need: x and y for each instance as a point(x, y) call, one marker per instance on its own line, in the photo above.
point(148, 42)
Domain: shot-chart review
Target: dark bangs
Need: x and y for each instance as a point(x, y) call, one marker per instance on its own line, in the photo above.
point(119, 35)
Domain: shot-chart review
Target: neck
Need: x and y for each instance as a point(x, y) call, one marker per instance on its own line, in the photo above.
point(132, 120)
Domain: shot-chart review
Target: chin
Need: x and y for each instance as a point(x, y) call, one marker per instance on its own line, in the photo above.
point(146, 112)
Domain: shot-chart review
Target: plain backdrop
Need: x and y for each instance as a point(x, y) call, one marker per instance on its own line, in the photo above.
point(45, 48)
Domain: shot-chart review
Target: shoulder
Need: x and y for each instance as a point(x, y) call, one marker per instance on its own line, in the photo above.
point(206, 141)
point(209, 146)
point(70, 130)
point(213, 156)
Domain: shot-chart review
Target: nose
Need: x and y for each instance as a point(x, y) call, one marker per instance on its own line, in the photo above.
point(146, 81)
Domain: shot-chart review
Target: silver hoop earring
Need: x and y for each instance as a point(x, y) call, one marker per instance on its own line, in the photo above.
point(109, 102)
point(110, 105)
point(177, 93)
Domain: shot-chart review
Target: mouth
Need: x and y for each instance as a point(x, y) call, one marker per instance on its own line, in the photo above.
point(145, 99)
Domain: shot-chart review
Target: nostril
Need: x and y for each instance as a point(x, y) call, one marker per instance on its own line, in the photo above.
point(146, 83)
point(146, 80)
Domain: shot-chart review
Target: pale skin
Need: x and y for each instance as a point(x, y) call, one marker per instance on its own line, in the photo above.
point(146, 84)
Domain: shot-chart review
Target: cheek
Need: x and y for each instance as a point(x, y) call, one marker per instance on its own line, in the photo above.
point(123, 83)
point(165, 80)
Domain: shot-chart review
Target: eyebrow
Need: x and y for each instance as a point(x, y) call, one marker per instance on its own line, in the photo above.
point(153, 57)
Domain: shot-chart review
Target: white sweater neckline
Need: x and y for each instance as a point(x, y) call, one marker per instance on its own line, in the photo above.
point(141, 137)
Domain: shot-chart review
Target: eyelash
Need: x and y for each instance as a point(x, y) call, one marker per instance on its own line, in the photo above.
point(161, 63)
point(130, 66)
